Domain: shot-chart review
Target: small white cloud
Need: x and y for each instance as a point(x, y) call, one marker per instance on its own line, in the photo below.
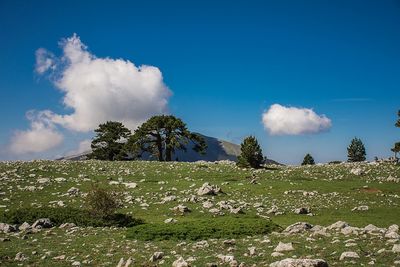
point(281, 120)
point(102, 89)
point(41, 136)
point(44, 61)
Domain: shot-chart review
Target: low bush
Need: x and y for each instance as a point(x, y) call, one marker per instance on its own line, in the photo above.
point(59, 216)
point(224, 227)
point(102, 202)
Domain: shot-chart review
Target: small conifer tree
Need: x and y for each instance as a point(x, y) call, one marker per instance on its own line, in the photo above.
point(251, 154)
point(356, 150)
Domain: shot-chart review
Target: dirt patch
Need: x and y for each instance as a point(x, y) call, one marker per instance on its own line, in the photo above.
point(370, 190)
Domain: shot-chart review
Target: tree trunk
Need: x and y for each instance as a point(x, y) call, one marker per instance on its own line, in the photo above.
point(160, 148)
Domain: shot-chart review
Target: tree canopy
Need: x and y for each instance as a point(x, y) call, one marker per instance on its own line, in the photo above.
point(356, 150)
point(162, 136)
point(308, 160)
point(109, 142)
point(251, 154)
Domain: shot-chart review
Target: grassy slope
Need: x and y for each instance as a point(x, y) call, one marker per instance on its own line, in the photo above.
point(338, 192)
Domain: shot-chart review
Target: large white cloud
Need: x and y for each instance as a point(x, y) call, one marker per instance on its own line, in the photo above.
point(95, 90)
point(41, 136)
point(101, 89)
point(281, 120)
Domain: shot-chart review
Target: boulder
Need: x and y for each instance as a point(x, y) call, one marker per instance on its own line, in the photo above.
point(42, 223)
point(156, 256)
point(297, 228)
point(357, 171)
point(282, 247)
point(337, 225)
point(208, 189)
point(25, 226)
point(7, 228)
point(180, 263)
point(349, 255)
point(302, 210)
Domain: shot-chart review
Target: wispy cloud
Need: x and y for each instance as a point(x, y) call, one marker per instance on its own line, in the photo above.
point(355, 99)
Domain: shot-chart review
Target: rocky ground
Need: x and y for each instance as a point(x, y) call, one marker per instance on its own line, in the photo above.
point(330, 215)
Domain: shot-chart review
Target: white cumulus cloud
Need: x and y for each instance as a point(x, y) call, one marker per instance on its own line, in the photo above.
point(84, 146)
point(95, 90)
point(101, 89)
point(281, 120)
point(41, 136)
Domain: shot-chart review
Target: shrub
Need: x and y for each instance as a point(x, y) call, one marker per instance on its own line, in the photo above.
point(308, 160)
point(59, 216)
point(250, 153)
point(102, 202)
point(223, 227)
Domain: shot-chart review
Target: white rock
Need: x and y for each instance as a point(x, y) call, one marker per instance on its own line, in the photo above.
point(180, 263)
point(349, 255)
point(282, 247)
point(300, 263)
point(156, 256)
point(170, 220)
point(208, 189)
point(396, 248)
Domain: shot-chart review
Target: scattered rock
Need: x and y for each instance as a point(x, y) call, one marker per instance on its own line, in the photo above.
point(170, 220)
point(300, 263)
point(7, 228)
point(73, 192)
point(282, 247)
point(297, 228)
point(25, 226)
point(302, 210)
point(180, 263)
point(156, 256)
point(349, 255)
point(42, 223)
point(181, 209)
point(357, 171)
point(20, 257)
point(396, 248)
point(360, 208)
point(208, 189)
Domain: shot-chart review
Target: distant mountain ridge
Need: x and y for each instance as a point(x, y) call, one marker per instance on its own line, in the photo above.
point(217, 150)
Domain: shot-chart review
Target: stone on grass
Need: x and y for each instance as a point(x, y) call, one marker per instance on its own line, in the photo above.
point(396, 248)
point(42, 223)
point(360, 208)
point(300, 263)
point(25, 226)
point(297, 228)
point(282, 247)
point(302, 210)
point(170, 220)
point(156, 256)
point(208, 189)
point(7, 228)
point(20, 257)
point(180, 263)
point(349, 255)
point(338, 225)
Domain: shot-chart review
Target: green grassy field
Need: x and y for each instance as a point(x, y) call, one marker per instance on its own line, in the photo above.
point(329, 191)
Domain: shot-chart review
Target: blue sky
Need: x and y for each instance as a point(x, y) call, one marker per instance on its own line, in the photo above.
point(225, 63)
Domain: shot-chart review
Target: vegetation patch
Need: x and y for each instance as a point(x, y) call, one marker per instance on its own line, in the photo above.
point(59, 216)
point(224, 227)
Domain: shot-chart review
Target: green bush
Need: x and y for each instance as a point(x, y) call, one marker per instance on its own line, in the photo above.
point(59, 216)
point(102, 202)
point(224, 227)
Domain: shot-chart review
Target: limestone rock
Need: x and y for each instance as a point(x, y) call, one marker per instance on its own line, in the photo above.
point(300, 263)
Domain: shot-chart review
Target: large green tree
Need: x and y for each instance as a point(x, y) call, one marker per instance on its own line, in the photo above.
point(161, 136)
point(356, 150)
point(398, 120)
point(251, 155)
point(109, 142)
point(308, 160)
point(396, 149)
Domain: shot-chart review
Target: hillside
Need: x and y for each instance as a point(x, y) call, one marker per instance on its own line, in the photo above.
point(217, 150)
point(345, 214)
